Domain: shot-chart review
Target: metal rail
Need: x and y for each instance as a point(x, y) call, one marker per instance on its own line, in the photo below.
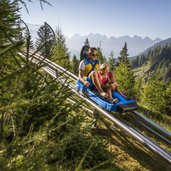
point(156, 128)
point(147, 128)
point(153, 131)
point(52, 68)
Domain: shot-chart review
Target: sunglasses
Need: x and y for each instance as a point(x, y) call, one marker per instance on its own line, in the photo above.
point(94, 54)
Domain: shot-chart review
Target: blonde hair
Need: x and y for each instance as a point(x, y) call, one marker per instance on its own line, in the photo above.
point(103, 66)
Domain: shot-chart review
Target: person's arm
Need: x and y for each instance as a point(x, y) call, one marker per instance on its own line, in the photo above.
point(109, 84)
point(112, 77)
point(80, 75)
point(86, 83)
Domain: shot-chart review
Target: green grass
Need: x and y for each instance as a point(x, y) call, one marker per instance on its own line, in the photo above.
point(140, 72)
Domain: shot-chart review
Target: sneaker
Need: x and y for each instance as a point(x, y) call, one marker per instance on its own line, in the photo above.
point(115, 100)
point(103, 94)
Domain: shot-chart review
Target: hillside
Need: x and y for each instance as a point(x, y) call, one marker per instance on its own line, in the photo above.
point(155, 61)
point(160, 43)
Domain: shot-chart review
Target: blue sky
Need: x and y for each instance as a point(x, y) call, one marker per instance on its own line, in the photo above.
point(116, 18)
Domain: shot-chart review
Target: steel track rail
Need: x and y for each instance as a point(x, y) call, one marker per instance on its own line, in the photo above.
point(132, 132)
point(153, 131)
point(148, 128)
point(156, 128)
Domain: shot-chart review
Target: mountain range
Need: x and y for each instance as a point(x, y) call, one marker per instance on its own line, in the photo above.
point(136, 44)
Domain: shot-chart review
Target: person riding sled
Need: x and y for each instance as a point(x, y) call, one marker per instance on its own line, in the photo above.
point(88, 71)
point(112, 80)
point(105, 81)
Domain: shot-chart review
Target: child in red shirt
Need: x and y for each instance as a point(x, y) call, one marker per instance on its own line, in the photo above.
point(105, 81)
point(113, 82)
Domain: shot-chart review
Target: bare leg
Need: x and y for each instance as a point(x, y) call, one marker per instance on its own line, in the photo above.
point(109, 93)
point(112, 78)
point(120, 92)
point(95, 80)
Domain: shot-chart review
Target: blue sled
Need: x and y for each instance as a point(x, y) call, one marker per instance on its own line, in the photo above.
point(123, 105)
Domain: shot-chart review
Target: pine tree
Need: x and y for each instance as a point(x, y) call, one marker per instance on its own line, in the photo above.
point(124, 55)
point(74, 65)
point(84, 49)
point(60, 51)
point(9, 43)
point(10, 32)
point(153, 95)
point(124, 73)
point(126, 79)
point(9, 20)
point(138, 87)
point(46, 40)
point(100, 55)
point(9, 26)
point(111, 61)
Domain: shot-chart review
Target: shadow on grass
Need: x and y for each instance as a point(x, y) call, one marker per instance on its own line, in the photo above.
point(137, 151)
